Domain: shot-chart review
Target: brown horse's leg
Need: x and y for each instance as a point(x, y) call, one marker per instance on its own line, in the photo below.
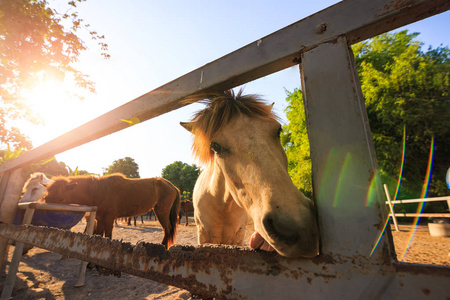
point(108, 227)
point(163, 218)
point(167, 209)
point(99, 229)
point(187, 217)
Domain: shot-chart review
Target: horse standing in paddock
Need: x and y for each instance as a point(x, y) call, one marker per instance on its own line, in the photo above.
point(186, 206)
point(237, 137)
point(117, 196)
point(34, 189)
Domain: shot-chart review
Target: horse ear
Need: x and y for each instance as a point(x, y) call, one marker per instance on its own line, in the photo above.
point(71, 186)
point(271, 105)
point(187, 125)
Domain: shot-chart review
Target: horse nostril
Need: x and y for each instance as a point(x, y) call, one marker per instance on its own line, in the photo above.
point(278, 230)
point(268, 225)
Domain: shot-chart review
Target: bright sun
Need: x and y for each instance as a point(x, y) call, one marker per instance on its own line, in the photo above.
point(58, 105)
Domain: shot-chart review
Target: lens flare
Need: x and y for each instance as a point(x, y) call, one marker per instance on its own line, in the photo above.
point(426, 182)
point(424, 194)
point(380, 236)
point(341, 178)
point(328, 174)
point(375, 182)
point(400, 175)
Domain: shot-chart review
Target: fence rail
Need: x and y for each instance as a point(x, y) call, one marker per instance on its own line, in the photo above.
point(337, 123)
point(394, 215)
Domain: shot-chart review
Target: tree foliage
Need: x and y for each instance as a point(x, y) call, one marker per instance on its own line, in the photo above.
point(294, 139)
point(403, 87)
point(127, 166)
point(183, 176)
point(51, 168)
point(36, 42)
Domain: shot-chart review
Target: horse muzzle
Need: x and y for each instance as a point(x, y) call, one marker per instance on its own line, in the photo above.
point(290, 239)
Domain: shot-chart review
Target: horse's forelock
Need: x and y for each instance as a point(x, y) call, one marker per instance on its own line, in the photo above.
point(220, 110)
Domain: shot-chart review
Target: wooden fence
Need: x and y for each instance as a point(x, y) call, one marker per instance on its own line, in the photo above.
point(351, 264)
point(391, 203)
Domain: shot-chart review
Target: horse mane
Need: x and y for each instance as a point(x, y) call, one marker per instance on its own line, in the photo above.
point(220, 110)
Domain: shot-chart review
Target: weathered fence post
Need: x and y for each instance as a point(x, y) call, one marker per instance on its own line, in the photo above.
point(346, 186)
point(11, 184)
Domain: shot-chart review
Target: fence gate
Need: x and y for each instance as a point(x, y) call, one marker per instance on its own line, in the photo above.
point(350, 200)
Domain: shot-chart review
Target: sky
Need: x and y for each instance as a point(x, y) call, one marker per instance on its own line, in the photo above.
point(154, 42)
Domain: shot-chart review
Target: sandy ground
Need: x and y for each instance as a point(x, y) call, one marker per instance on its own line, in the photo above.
point(45, 275)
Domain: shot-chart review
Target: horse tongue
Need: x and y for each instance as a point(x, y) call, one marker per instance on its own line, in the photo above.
point(257, 242)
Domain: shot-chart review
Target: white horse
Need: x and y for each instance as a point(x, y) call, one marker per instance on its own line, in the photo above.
point(33, 189)
point(238, 138)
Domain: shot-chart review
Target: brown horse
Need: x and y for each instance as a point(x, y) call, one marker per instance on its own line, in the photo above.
point(117, 196)
point(186, 206)
point(237, 137)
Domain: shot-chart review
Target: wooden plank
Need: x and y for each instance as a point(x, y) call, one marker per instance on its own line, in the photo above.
point(434, 199)
point(430, 215)
point(57, 207)
point(356, 19)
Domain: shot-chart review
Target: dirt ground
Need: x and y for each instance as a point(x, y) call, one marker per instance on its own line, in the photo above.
point(45, 275)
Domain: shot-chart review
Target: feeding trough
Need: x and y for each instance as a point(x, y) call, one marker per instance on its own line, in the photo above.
point(49, 218)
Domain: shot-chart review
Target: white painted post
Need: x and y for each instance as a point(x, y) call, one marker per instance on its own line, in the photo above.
point(391, 207)
point(347, 189)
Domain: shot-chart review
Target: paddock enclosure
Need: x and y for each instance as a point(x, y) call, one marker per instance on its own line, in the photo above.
point(350, 200)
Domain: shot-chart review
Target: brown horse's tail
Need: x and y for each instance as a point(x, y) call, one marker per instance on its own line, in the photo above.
point(173, 218)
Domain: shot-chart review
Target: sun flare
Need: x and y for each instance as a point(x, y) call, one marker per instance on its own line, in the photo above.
point(58, 105)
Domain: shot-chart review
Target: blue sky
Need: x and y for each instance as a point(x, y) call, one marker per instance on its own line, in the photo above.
point(154, 42)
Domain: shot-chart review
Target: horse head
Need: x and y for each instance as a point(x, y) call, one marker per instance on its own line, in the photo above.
point(33, 189)
point(59, 191)
point(246, 149)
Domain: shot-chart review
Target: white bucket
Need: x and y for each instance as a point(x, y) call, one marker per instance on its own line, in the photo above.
point(439, 229)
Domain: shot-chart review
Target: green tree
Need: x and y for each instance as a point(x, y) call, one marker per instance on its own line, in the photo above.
point(182, 175)
point(36, 42)
point(294, 139)
point(51, 167)
point(403, 86)
point(127, 166)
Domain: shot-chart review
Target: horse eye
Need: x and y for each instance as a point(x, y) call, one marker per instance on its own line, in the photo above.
point(216, 147)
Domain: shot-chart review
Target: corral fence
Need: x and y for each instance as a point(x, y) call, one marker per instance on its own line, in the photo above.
point(350, 202)
point(391, 203)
